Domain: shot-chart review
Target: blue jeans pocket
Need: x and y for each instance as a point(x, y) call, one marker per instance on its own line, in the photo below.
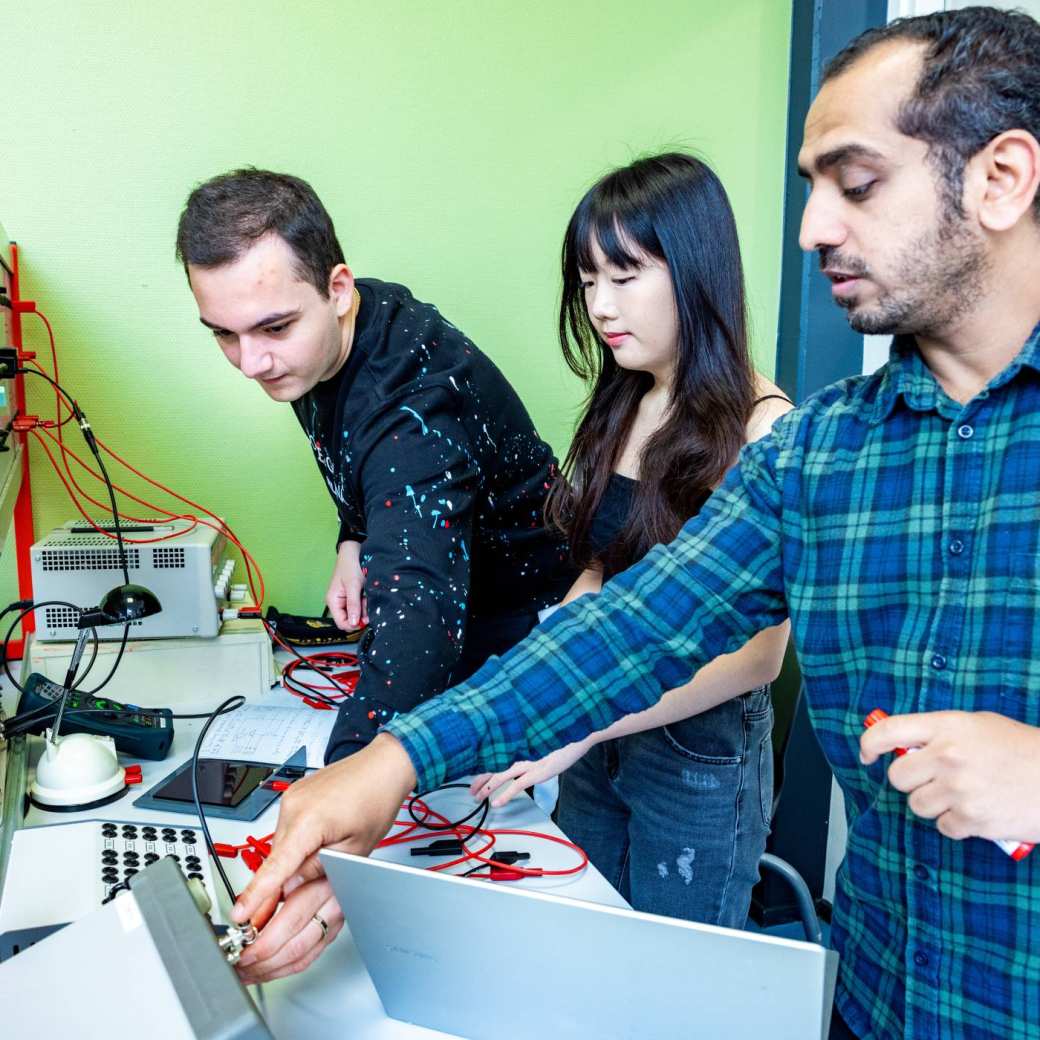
point(725, 734)
point(732, 733)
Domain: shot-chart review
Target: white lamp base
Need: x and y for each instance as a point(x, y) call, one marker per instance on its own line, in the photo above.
point(77, 771)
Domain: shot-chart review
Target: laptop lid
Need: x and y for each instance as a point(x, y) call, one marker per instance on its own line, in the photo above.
point(485, 962)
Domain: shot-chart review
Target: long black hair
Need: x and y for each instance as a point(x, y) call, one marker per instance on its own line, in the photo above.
point(674, 208)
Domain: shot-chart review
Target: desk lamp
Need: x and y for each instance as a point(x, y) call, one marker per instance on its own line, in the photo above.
point(81, 770)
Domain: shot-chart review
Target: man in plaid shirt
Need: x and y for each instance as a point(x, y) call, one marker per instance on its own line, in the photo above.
point(893, 517)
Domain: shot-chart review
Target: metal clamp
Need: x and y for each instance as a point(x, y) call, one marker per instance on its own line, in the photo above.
point(234, 941)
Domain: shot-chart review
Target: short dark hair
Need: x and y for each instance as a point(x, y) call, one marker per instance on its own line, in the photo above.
point(227, 214)
point(980, 78)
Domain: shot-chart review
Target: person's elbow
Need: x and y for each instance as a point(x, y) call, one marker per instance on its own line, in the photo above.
point(768, 659)
point(771, 670)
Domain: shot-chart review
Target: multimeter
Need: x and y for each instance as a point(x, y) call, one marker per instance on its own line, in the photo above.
point(142, 733)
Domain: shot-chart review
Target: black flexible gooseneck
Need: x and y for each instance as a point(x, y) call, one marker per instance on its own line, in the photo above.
point(88, 436)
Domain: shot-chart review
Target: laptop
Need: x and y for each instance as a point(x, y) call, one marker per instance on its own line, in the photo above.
point(490, 962)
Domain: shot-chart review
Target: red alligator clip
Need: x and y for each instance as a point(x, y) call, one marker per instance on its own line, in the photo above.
point(261, 845)
point(252, 859)
point(501, 874)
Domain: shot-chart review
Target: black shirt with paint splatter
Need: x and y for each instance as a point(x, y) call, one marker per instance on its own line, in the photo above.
point(436, 467)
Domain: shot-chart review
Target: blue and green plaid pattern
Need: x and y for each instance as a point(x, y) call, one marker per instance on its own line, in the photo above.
point(899, 530)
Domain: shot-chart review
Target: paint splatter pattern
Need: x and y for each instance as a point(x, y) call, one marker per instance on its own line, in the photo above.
point(435, 466)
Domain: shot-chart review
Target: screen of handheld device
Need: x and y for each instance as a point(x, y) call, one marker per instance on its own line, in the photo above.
point(221, 782)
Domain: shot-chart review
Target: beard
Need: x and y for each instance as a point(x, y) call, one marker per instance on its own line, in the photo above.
point(940, 278)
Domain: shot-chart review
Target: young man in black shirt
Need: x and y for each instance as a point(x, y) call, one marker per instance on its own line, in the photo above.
point(434, 465)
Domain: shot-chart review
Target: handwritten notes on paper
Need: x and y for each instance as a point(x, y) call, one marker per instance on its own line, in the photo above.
point(263, 733)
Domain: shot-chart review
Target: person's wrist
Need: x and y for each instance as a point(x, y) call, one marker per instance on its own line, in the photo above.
point(397, 764)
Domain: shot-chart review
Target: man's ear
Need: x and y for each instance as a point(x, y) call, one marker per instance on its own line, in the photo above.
point(341, 288)
point(1004, 177)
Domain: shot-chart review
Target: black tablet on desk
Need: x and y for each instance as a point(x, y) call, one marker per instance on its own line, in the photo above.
point(221, 782)
point(228, 789)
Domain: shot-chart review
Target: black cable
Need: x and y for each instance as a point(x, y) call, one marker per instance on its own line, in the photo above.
point(310, 691)
point(88, 436)
point(20, 723)
point(317, 694)
point(483, 808)
point(26, 606)
point(298, 686)
point(111, 498)
point(95, 643)
point(76, 685)
point(18, 604)
point(44, 711)
point(112, 671)
point(21, 604)
point(57, 386)
point(204, 715)
point(238, 700)
point(10, 632)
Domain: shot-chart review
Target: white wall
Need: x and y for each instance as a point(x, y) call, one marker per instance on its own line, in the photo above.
point(1029, 6)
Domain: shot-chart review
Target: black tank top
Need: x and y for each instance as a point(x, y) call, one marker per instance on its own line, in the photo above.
point(610, 516)
point(615, 505)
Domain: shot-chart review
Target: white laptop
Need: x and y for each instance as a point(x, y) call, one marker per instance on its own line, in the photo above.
point(491, 962)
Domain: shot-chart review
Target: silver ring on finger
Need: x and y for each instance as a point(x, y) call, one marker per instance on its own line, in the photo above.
point(322, 924)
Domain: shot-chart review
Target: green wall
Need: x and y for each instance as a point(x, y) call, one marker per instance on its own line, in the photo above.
point(449, 140)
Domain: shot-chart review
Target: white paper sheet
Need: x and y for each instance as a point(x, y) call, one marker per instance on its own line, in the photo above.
point(262, 733)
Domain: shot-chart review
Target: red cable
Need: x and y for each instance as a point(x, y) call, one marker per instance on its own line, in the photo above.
point(66, 451)
point(195, 521)
point(218, 524)
point(54, 362)
point(101, 505)
point(464, 832)
point(532, 871)
point(346, 686)
point(255, 850)
point(223, 526)
point(343, 684)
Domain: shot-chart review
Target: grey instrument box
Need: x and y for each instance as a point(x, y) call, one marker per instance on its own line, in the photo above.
point(188, 572)
point(146, 963)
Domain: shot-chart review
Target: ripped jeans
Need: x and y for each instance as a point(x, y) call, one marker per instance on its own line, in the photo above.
point(676, 818)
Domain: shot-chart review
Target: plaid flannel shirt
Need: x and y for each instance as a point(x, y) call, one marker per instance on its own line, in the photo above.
point(899, 531)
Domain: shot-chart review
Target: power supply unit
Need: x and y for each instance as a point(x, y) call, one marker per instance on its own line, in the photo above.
point(189, 572)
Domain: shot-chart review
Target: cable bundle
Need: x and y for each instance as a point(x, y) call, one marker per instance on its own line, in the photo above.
point(41, 429)
point(313, 695)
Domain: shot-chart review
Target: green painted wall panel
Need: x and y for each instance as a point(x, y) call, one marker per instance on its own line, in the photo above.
point(449, 140)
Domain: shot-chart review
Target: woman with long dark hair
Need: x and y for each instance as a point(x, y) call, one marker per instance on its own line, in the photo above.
point(672, 807)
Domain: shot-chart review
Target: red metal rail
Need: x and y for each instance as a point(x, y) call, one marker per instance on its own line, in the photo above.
point(23, 518)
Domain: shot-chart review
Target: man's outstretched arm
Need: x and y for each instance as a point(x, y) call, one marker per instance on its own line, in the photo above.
point(593, 662)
